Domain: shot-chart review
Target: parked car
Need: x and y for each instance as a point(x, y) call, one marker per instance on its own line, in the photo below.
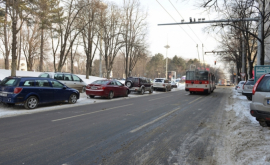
point(139, 84)
point(106, 88)
point(247, 88)
point(163, 84)
point(240, 86)
point(32, 91)
point(173, 84)
point(260, 105)
point(68, 79)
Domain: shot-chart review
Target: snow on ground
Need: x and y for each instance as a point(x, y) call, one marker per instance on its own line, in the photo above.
point(244, 141)
point(8, 111)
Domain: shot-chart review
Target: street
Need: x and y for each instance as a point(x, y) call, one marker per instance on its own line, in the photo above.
point(168, 128)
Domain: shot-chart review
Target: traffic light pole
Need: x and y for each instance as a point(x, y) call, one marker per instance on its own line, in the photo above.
point(257, 19)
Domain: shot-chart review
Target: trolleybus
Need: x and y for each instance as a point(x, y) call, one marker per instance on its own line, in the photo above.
point(200, 81)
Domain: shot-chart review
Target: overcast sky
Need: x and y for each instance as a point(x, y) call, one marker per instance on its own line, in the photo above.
point(182, 39)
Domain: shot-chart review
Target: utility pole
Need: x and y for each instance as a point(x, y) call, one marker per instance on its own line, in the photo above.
point(167, 47)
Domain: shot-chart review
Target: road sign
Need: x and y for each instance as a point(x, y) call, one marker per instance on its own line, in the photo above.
point(260, 70)
point(243, 74)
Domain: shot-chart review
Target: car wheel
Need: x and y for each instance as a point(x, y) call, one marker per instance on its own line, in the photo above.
point(151, 90)
point(111, 94)
point(142, 91)
point(92, 96)
point(264, 123)
point(72, 98)
point(127, 92)
point(249, 98)
point(31, 102)
point(83, 89)
point(129, 84)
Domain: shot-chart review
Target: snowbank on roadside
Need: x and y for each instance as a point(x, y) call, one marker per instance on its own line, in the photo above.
point(244, 140)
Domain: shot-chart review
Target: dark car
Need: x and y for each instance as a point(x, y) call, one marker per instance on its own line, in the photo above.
point(32, 91)
point(106, 88)
point(139, 84)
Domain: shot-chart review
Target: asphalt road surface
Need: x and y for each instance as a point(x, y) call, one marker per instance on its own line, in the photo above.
point(168, 128)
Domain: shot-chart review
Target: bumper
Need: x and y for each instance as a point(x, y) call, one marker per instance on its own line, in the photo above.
point(196, 89)
point(12, 100)
point(261, 115)
point(136, 89)
point(96, 92)
point(246, 94)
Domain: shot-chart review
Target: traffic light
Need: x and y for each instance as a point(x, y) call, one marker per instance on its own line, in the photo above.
point(215, 62)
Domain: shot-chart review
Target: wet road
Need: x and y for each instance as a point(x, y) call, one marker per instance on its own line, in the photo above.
point(168, 128)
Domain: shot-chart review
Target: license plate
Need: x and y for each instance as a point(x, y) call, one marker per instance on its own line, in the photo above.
point(93, 87)
point(3, 94)
point(268, 101)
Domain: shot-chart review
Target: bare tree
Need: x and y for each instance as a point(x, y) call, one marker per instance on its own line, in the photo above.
point(112, 27)
point(30, 45)
point(135, 28)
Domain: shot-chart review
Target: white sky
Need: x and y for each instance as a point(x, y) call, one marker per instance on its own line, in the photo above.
point(181, 38)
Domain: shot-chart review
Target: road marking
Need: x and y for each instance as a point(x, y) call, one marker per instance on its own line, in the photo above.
point(91, 112)
point(159, 98)
point(151, 122)
point(195, 100)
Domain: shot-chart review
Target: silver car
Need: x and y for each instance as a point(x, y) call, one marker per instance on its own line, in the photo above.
point(260, 105)
point(240, 86)
point(247, 89)
point(70, 80)
point(163, 84)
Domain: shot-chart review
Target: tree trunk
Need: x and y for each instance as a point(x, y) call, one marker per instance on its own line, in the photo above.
point(41, 51)
point(14, 44)
point(6, 42)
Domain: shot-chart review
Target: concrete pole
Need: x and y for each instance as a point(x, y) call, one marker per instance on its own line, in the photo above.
point(259, 50)
point(243, 57)
point(167, 47)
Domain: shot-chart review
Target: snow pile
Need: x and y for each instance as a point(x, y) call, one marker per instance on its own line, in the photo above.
point(244, 141)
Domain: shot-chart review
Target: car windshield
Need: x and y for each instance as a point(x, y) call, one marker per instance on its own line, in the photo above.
point(101, 82)
point(9, 82)
point(251, 82)
point(158, 80)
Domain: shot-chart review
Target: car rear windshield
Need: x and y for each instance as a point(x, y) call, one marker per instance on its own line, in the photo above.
point(10, 82)
point(101, 82)
point(158, 80)
point(250, 82)
point(264, 85)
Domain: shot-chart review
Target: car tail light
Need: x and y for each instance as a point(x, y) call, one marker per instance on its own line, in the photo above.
point(244, 85)
point(17, 90)
point(164, 85)
point(256, 84)
point(88, 87)
point(103, 87)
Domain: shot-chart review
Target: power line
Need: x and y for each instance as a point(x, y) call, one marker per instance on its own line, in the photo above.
point(175, 21)
point(183, 18)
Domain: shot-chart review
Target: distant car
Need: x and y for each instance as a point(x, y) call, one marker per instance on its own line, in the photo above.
point(240, 86)
point(106, 88)
point(173, 84)
point(247, 88)
point(70, 80)
point(260, 105)
point(139, 84)
point(32, 91)
point(163, 84)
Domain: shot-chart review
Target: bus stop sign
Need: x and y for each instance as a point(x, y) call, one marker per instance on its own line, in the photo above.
point(260, 70)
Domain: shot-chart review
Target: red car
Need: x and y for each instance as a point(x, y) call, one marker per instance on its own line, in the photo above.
point(106, 88)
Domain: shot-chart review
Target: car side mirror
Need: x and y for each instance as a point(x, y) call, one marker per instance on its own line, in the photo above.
point(64, 87)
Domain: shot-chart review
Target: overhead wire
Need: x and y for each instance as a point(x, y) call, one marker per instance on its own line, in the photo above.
point(175, 20)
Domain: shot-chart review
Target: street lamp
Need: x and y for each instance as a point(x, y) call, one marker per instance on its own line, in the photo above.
point(167, 47)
